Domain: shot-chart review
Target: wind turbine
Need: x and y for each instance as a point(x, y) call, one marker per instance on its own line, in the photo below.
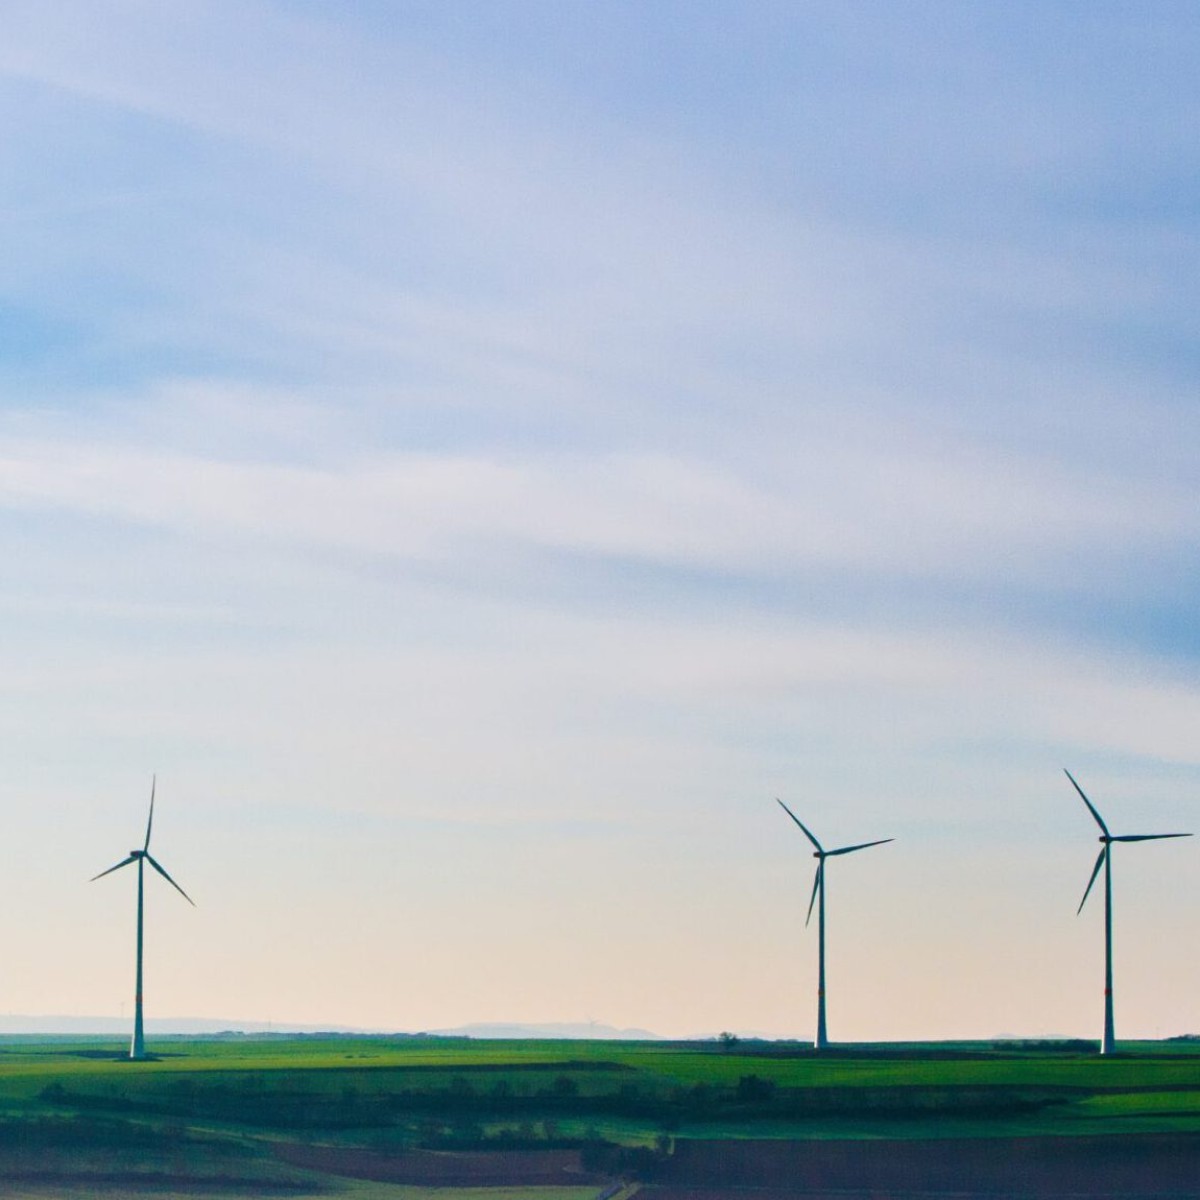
point(821, 854)
point(1109, 1044)
point(137, 1047)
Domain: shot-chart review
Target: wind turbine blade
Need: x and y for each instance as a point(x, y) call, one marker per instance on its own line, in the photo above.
point(123, 863)
point(1091, 806)
point(816, 889)
point(1148, 837)
point(170, 881)
point(150, 822)
point(1095, 872)
point(803, 828)
point(860, 846)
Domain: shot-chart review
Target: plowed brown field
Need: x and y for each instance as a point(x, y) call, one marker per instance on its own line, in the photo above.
point(515, 1168)
point(1147, 1165)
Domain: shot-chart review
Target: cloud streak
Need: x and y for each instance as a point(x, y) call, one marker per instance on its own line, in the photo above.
point(434, 440)
point(928, 512)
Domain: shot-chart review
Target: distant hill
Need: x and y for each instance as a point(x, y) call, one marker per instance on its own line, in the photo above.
point(585, 1030)
point(20, 1024)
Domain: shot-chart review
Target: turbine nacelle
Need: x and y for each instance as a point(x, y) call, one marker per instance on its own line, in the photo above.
point(1138, 837)
point(1107, 839)
point(144, 853)
point(821, 854)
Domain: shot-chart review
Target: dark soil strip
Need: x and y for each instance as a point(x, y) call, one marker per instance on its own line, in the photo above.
point(1132, 1165)
point(516, 1168)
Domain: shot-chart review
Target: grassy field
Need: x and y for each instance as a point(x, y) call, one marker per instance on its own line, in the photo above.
point(219, 1114)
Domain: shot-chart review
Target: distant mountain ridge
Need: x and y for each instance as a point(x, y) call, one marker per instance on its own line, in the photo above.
point(571, 1030)
point(19, 1024)
point(13, 1024)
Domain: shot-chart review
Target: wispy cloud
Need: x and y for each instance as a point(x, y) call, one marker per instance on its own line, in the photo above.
point(897, 504)
point(505, 424)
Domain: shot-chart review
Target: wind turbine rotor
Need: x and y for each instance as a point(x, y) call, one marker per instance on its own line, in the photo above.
point(1095, 871)
point(817, 879)
point(172, 882)
point(1091, 806)
point(803, 828)
point(1147, 837)
point(860, 846)
point(123, 863)
point(150, 820)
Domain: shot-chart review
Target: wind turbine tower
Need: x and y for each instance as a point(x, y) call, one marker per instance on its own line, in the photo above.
point(137, 1048)
point(821, 854)
point(1109, 1043)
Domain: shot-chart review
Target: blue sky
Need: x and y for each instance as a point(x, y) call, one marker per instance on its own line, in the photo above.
point(480, 454)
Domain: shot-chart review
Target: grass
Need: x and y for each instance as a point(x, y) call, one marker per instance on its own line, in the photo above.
point(210, 1109)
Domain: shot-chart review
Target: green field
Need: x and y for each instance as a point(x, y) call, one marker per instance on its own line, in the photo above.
point(216, 1112)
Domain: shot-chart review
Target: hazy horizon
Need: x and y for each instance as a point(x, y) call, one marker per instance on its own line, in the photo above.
point(480, 455)
point(118, 1027)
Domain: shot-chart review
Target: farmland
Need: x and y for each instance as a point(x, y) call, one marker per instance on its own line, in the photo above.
point(393, 1117)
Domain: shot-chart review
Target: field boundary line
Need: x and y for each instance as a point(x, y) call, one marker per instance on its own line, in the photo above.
point(619, 1191)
